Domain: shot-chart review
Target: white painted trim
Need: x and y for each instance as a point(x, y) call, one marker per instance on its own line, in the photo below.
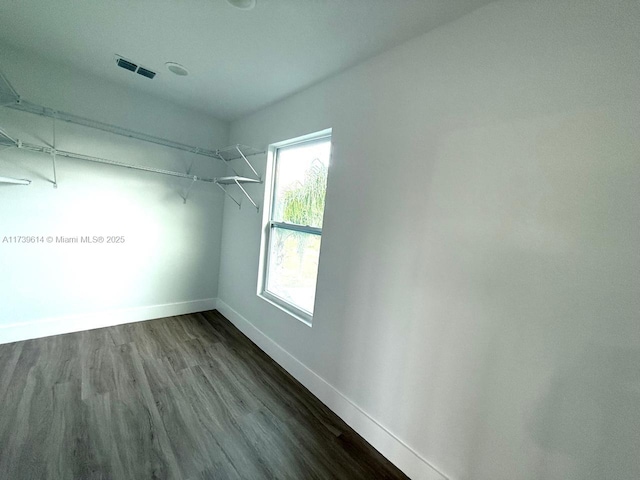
point(389, 445)
point(286, 307)
point(75, 323)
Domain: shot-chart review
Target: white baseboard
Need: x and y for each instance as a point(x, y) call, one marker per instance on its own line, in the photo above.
point(74, 323)
point(394, 449)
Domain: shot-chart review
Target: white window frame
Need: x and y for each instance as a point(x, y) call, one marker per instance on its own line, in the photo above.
point(268, 223)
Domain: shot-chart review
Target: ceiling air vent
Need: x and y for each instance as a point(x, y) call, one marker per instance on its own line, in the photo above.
point(146, 73)
point(132, 67)
point(127, 65)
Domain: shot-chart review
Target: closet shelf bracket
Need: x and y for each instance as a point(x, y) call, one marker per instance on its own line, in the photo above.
point(15, 181)
point(5, 142)
point(235, 152)
point(186, 195)
point(53, 153)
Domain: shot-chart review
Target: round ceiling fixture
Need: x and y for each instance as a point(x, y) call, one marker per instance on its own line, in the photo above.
point(242, 4)
point(177, 69)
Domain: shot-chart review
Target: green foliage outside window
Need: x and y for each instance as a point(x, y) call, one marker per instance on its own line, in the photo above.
point(304, 203)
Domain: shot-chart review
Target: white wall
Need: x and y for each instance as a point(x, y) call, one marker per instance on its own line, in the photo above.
point(170, 261)
point(479, 274)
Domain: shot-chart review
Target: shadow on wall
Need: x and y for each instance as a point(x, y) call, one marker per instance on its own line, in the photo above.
point(591, 414)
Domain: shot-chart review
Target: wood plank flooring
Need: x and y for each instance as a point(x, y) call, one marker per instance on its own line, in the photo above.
point(186, 397)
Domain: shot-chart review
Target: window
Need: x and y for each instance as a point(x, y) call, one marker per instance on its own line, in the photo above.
point(293, 223)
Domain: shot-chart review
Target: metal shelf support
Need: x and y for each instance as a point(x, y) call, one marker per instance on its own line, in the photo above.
point(6, 141)
point(235, 152)
point(220, 157)
point(8, 94)
point(228, 194)
point(15, 181)
point(247, 195)
point(53, 155)
point(186, 195)
point(247, 162)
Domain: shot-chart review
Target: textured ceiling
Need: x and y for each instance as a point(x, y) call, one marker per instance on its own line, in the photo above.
point(239, 61)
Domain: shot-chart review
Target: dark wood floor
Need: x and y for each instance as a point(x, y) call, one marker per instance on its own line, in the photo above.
point(186, 397)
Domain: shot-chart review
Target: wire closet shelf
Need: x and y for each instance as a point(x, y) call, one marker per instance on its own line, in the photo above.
point(9, 98)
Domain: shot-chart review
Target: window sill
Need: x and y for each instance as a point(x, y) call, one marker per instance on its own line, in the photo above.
point(286, 308)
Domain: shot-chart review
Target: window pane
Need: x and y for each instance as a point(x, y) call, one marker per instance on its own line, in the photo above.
point(301, 181)
point(293, 267)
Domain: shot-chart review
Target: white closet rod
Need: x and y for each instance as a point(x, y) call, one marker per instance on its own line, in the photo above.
point(26, 106)
point(63, 153)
